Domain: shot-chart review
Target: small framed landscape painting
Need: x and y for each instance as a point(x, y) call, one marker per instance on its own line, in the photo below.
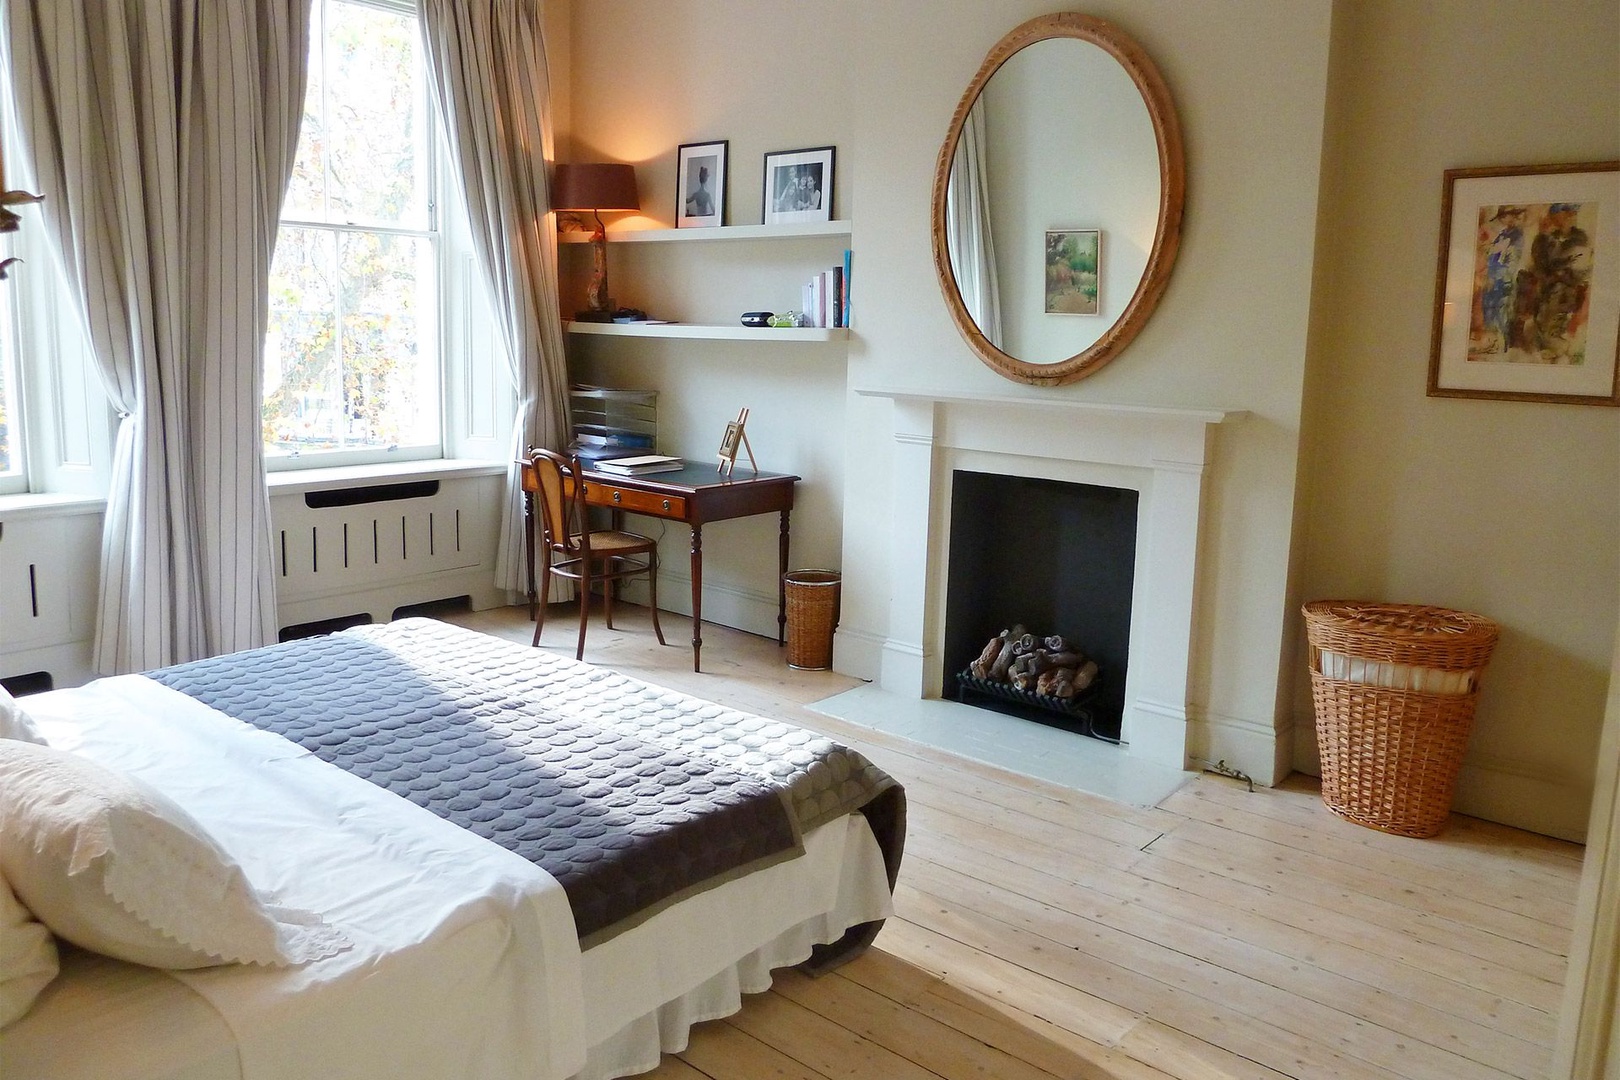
point(700, 185)
point(1073, 269)
point(798, 186)
point(1527, 297)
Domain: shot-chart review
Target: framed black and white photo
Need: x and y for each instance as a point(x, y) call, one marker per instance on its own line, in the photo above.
point(700, 185)
point(798, 186)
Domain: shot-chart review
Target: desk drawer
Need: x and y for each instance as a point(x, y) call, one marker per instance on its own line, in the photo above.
point(639, 502)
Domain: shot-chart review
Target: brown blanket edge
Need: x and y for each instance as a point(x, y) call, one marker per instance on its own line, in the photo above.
point(886, 814)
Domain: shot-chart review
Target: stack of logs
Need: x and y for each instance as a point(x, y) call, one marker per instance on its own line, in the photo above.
point(1048, 665)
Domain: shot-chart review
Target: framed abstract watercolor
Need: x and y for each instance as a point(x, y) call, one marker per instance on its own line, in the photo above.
point(1527, 301)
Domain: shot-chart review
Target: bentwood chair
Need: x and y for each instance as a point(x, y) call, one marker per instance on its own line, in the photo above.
point(575, 551)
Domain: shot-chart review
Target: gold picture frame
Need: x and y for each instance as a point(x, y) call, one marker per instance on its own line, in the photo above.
point(733, 441)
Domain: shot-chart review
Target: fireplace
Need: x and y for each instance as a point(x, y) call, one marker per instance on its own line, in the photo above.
point(1155, 453)
point(1059, 560)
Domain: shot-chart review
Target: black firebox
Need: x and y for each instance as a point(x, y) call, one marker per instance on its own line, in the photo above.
point(1058, 558)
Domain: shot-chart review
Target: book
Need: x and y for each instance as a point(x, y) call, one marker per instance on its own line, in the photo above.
point(636, 466)
point(848, 258)
point(644, 470)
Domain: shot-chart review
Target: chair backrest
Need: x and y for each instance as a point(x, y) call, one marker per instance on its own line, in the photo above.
point(562, 515)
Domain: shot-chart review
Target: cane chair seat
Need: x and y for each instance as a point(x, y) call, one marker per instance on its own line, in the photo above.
point(575, 551)
point(607, 541)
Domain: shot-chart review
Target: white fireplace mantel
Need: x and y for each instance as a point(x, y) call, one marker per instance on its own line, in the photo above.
point(1205, 416)
point(1159, 451)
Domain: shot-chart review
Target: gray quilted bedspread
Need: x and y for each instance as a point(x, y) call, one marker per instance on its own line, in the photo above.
point(631, 795)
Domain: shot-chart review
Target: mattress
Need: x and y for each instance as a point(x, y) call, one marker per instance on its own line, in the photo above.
point(641, 991)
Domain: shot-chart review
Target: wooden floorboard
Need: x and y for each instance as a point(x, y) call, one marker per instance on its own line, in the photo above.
point(1221, 935)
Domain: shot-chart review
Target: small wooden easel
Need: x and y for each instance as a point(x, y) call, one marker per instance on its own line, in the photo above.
point(735, 438)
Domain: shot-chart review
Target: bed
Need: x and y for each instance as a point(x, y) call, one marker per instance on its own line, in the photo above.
point(507, 843)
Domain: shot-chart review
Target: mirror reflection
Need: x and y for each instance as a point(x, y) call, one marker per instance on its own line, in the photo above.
point(1057, 216)
point(1058, 141)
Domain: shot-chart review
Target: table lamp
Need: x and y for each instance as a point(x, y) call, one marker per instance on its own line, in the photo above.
point(597, 188)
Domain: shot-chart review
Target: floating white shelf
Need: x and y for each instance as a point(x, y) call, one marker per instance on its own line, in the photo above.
point(724, 232)
point(771, 335)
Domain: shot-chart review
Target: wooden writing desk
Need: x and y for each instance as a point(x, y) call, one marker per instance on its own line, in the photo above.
point(695, 495)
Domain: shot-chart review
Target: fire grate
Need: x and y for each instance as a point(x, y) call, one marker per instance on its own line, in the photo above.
point(1078, 713)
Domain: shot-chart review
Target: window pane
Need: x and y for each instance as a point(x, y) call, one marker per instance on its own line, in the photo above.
point(302, 402)
point(390, 338)
point(10, 430)
point(363, 147)
point(351, 359)
point(7, 465)
point(306, 191)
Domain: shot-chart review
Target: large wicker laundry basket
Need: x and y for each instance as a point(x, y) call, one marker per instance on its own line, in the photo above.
point(1394, 686)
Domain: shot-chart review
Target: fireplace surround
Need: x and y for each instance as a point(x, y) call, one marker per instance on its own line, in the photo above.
point(1160, 453)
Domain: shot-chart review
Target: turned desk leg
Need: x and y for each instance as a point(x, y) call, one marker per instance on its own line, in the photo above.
point(781, 582)
point(697, 596)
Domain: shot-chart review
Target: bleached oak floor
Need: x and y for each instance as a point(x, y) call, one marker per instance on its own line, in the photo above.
point(1041, 932)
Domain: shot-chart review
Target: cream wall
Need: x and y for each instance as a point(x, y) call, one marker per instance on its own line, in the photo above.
point(1249, 82)
point(647, 77)
point(881, 81)
point(1505, 508)
point(1406, 498)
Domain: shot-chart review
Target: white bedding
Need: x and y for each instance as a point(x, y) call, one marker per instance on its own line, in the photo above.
point(426, 904)
point(465, 964)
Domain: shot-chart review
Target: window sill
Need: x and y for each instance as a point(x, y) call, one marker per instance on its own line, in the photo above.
point(20, 507)
point(35, 505)
point(298, 481)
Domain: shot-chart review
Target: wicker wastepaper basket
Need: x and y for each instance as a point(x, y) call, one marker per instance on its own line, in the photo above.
point(812, 616)
point(1394, 687)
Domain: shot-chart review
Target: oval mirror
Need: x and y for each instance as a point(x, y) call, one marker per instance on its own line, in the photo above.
point(1057, 199)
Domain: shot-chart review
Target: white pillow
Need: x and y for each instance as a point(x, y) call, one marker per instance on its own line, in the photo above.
point(111, 864)
point(14, 723)
point(27, 957)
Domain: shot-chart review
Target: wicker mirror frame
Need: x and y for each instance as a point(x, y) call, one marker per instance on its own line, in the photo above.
point(1172, 197)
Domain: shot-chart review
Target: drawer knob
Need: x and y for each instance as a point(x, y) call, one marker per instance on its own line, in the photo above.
point(616, 496)
point(666, 504)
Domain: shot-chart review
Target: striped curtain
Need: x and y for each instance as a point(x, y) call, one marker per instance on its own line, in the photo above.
point(162, 133)
point(487, 64)
point(967, 226)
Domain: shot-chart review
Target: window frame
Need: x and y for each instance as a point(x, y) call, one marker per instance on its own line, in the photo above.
point(435, 235)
